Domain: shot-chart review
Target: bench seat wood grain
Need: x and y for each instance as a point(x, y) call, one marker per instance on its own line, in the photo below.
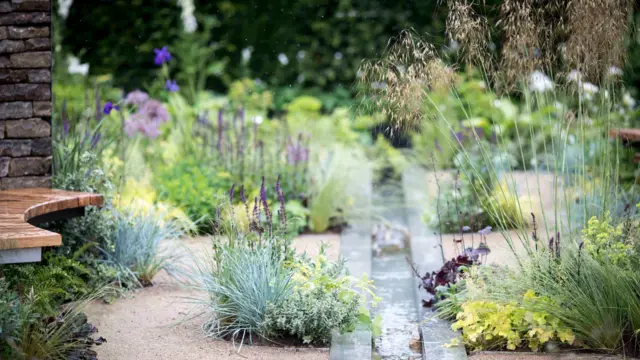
point(19, 206)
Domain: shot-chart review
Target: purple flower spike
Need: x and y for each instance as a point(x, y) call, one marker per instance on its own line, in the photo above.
point(95, 139)
point(65, 127)
point(162, 56)
point(459, 136)
point(172, 86)
point(283, 212)
point(109, 106)
point(265, 203)
point(263, 192)
point(231, 193)
point(242, 197)
point(438, 147)
point(220, 125)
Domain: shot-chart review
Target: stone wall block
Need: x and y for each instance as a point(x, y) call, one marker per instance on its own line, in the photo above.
point(27, 128)
point(31, 60)
point(25, 182)
point(15, 148)
point(16, 110)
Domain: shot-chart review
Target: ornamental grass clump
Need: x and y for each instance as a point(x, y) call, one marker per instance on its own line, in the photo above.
point(140, 246)
point(258, 288)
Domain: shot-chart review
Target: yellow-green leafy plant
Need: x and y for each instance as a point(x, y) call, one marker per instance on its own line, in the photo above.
point(604, 241)
point(490, 325)
point(305, 104)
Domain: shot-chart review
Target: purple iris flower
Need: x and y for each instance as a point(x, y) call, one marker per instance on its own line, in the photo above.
point(108, 106)
point(172, 86)
point(162, 55)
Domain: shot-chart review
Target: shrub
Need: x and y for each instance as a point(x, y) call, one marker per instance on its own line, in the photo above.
point(257, 286)
point(56, 280)
point(241, 284)
point(138, 247)
point(322, 300)
point(199, 199)
point(10, 318)
point(490, 325)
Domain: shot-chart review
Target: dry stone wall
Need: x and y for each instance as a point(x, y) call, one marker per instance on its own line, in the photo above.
point(25, 93)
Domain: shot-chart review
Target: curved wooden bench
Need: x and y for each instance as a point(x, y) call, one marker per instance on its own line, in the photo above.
point(22, 209)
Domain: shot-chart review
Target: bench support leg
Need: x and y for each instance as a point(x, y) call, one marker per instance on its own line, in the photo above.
point(17, 256)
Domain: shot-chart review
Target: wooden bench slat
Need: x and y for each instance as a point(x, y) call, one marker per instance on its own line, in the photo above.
point(18, 206)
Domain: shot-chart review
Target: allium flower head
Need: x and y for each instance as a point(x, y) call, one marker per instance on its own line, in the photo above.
point(172, 86)
point(155, 111)
point(614, 71)
point(162, 56)
point(136, 97)
point(108, 107)
point(574, 75)
point(539, 82)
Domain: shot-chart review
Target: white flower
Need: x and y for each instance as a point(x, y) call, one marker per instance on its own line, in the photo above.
point(539, 82)
point(628, 100)
point(283, 59)
point(575, 76)
point(63, 8)
point(76, 68)
point(454, 46)
point(590, 88)
point(300, 78)
point(614, 71)
point(246, 54)
point(189, 22)
point(338, 55)
point(300, 55)
point(257, 119)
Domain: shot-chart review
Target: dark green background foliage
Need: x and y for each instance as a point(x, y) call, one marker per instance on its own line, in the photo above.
point(118, 36)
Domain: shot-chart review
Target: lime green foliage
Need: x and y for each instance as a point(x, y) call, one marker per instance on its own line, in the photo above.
point(604, 241)
point(332, 192)
point(247, 93)
point(490, 325)
point(323, 299)
point(305, 104)
point(297, 216)
point(200, 198)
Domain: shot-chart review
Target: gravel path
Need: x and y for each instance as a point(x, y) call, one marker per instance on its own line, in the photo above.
point(148, 324)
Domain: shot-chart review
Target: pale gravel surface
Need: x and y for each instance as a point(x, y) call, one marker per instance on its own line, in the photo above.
point(148, 324)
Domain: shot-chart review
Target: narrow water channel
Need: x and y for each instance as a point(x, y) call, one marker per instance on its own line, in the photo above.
point(395, 286)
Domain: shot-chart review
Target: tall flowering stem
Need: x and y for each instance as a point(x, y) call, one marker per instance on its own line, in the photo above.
point(283, 213)
point(220, 126)
point(265, 205)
